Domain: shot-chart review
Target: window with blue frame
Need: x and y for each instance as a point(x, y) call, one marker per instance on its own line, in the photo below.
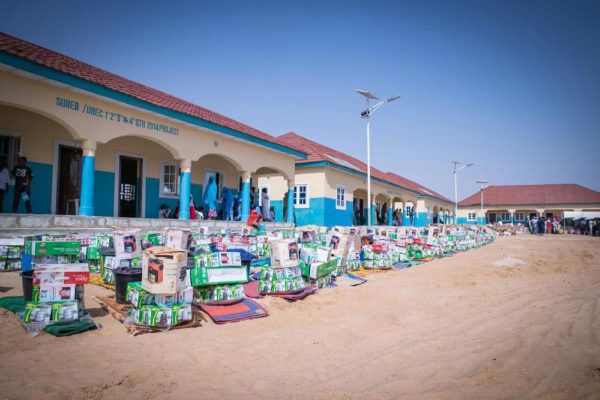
point(505, 217)
point(301, 196)
point(472, 217)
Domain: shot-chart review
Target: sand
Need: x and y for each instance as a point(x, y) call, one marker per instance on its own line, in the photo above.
point(464, 327)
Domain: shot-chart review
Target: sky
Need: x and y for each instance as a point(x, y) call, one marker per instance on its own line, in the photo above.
point(511, 86)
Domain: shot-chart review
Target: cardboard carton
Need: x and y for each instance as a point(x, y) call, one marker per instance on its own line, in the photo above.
point(185, 296)
point(178, 238)
point(128, 244)
point(61, 274)
point(137, 296)
point(65, 310)
point(284, 253)
point(207, 276)
point(164, 270)
point(43, 248)
point(53, 292)
point(36, 311)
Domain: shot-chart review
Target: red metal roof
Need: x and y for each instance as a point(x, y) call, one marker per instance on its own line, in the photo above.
point(407, 183)
point(79, 69)
point(317, 152)
point(567, 193)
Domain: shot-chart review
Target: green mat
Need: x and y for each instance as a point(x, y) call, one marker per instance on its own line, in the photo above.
point(16, 304)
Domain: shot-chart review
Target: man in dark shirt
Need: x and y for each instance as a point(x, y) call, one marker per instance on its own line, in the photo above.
point(23, 176)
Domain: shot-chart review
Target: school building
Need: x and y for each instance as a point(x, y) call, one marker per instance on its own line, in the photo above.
point(514, 204)
point(331, 189)
point(102, 145)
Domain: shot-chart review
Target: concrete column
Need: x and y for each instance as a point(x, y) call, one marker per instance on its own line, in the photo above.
point(185, 184)
point(391, 214)
point(246, 186)
point(422, 216)
point(290, 202)
point(88, 169)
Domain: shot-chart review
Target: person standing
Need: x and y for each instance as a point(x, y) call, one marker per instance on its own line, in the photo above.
point(210, 198)
point(23, 176)
point(228, 203)
point(265, 206)
point(4, 178)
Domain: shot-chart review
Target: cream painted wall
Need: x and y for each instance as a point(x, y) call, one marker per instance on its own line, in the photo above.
point(192, 142)
point(215, 163)
point(36, 131)
point(314, 177)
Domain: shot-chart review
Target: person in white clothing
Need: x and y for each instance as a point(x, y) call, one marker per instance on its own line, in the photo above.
point(265, 205)
point(4, 178)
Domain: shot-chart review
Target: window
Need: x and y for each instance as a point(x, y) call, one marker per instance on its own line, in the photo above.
point(340, 198)
point(505, 217)
point(520, 217)
point(218, 177)
point(169, 179)
point(301, 196)
point(472, 216)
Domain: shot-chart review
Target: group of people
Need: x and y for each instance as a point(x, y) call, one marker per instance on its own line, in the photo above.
point(541, 225)
point(231, 205)
point(22, 176)
point(382, 216)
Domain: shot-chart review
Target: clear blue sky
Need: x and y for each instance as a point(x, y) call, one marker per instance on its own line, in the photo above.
point(512, 86)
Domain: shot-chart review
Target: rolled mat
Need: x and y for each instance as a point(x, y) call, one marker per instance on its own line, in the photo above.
point(307, 291)
point(246, 309)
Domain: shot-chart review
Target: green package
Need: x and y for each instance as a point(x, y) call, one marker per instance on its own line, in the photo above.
point(37, 248)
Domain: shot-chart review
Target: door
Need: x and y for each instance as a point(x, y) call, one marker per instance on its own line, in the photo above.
point(69, 180)
point(361, 213)
point(492, 218)
point(130, 187)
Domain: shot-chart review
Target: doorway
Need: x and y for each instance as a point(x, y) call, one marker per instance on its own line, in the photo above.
point(69, 180)
point(130, 186)
point(492, 218)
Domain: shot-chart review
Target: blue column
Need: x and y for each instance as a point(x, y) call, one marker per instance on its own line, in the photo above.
point(390, 216)
point(184, 190)
point(245, 197)
point(86, 197)
point(373, 219)
point(290, 205)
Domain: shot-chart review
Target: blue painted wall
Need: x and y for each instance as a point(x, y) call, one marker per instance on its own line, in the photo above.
point(334, 216)
point(104, 193)
point(278, 206)
point(421, 219)
point(153, 202)
point(315, 214)
point(41, 190)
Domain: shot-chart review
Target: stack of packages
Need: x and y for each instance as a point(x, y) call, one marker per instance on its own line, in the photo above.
point(10, 253)
point(375, 256)
point(90, 250)
point(322, 261)
point(127, 254)
point(58, 280)
point(163, 298)
point(283, 275)
point(217, 275)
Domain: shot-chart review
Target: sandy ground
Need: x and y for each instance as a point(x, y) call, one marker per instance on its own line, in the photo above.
point(519, 319)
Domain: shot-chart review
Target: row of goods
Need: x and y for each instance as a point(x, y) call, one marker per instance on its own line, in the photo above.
point(162, 274)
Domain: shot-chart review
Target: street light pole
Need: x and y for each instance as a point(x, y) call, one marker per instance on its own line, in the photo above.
point(482, 185)
point(367, 115)
point(458, 166)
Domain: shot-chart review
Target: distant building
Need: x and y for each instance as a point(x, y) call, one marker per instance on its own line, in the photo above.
point(331, 189)
point(517, 203)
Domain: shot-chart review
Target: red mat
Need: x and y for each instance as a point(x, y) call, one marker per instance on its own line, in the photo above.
point(251, 290)
point(246, 309)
